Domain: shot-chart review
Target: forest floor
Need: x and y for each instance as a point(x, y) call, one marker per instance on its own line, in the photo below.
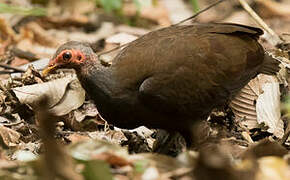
point(81, 145)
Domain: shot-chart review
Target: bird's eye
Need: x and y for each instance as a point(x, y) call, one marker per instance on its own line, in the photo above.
point(66, 56)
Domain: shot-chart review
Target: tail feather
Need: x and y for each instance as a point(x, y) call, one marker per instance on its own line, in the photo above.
point(270, 65)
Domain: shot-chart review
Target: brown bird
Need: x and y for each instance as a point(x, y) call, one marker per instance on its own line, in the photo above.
point(169, 78)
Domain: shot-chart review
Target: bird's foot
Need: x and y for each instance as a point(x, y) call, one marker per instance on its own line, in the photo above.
point(168, 143)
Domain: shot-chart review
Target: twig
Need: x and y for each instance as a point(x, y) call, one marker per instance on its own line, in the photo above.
point(111, 50)
point(247, 137)
point(24, 54)
point(199, 12)
point(6, 66)
point(7, 72)
point(275, 39)
point(191, 17)
point(13, 124)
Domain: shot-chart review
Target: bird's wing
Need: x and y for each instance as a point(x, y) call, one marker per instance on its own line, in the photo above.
point(201, 73)
point(180, 93)
point(231, 28)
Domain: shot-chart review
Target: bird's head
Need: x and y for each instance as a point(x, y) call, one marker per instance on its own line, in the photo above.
point(72, 54)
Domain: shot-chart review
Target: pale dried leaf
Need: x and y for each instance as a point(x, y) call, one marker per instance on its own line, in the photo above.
point(73, 98)
point(87, 110)
point(268, 108)
point(63, 95)
point(259, 102)
point(30, 94)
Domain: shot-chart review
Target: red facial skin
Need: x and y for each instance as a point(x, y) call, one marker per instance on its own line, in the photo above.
point(77, 58)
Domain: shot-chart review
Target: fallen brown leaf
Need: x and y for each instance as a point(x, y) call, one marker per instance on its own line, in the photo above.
point(9, 137)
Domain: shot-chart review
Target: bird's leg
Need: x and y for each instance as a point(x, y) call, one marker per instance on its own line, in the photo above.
point(189, 138)
point(168, 142)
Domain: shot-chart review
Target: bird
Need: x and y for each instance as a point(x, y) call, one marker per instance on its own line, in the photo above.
point(170, 78)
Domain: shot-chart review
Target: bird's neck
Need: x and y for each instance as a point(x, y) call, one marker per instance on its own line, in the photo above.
point(98, 82)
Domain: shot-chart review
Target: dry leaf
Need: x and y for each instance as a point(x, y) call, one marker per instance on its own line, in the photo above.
point(64, 95)
point(259, 102)
point(73, 98)
point(8, 136)
point(87, 110)
point(268, 108)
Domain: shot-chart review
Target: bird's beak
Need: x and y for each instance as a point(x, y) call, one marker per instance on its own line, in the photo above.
point(49, 69)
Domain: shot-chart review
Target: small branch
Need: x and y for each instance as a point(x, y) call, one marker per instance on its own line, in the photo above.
point(13, 124)
point(199, 12)
point(6, 66)
point(111, 50)
point(287, 34)
point(274, 38)
point(6, 72)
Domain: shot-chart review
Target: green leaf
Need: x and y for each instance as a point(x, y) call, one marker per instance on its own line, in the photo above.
point(137, 4)
point(140, 166)
point(97, 170)
point(110, 5)
point(194, 5)
point(5, 8)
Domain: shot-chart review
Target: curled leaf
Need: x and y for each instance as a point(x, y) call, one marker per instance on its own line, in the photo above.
point(259, 103)
point(63, 95)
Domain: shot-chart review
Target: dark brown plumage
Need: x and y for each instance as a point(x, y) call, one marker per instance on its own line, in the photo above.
point(172, 77)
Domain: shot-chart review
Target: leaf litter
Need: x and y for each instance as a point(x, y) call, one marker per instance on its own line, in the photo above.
point(246, 141)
